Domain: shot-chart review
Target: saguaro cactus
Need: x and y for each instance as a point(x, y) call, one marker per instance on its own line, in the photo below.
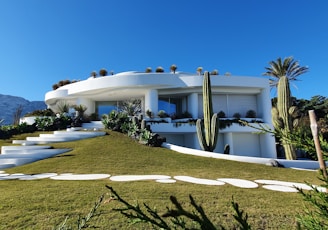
point(207, 129)
point(282, 115)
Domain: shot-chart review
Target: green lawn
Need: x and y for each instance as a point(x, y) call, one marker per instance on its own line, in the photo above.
point(41, 204)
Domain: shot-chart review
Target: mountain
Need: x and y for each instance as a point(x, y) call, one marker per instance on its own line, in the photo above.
point(10, 104)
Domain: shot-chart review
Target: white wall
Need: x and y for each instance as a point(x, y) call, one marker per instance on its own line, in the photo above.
point(245, 144)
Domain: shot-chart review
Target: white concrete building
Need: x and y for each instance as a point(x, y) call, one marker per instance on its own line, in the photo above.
point(177, 93)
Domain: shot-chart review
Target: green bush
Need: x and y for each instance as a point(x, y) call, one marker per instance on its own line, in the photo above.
point(115, 121)
point(58, 122)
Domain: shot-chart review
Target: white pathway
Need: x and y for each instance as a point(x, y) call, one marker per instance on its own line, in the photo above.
point(275, 185)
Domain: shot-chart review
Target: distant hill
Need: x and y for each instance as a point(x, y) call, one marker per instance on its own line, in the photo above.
point(10, 104)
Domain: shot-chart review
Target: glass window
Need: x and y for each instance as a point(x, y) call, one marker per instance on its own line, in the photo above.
point(106, 107)
point(170, 105)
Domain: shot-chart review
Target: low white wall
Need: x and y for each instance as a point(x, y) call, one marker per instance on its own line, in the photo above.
point(297, 164)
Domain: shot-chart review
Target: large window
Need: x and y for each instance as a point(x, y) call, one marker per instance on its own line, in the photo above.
point(105, 107)
point(171, 105)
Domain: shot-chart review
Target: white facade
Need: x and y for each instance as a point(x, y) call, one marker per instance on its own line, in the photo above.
point(177, 93)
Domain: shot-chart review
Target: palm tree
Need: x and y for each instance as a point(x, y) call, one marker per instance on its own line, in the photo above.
point(281, 73)
point(287, 67)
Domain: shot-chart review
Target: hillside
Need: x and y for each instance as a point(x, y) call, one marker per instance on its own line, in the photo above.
point(9, 105)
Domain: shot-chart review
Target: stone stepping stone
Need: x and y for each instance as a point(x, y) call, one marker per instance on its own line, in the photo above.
point(198, 180)
point(166, 181)
point(280, 188)
point(139, 177)
point(284, 183)
point(38, 176)
point(80, 176)
point(13, 176)
point(239, 182)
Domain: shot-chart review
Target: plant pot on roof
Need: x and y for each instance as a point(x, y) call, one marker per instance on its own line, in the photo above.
point(199, 70)
point(173, 68)
point(148, 70)
point(215, 72)
point(93, 74)
point(159, 69)
point(250, 114)
point(103, 72)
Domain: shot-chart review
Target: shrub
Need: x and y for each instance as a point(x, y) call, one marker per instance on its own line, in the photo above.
point(199, 70)
point(173, 68)
point(236, 115)
point(159, 69)
point(221, 114)
point(55, 86)
point(186, 114)
point(149, 113)
point(215, 72)
point(93, 74)
point(115, 121)
point(40, 113)
point(103, 72)
point(60, 121)
point(162, 114)
point(131, 107)
point(250, 114)
point(148, 70)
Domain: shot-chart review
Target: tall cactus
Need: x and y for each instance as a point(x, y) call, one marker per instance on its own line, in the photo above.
point(207, 129)
point(282, 115)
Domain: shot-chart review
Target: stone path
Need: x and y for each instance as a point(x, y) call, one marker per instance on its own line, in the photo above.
point(274, 185)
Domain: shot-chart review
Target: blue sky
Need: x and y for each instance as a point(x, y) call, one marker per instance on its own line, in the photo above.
point(43, 42)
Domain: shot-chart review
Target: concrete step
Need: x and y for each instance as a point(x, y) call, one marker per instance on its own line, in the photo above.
point(17, 159)
point(24, 142)
point(21, 148)
point(53, 139)
point(37, 153)
point(80, 133)
point(93, 125)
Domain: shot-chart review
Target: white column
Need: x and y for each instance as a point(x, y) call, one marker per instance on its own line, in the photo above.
point(151, 101)
point(193, 105)
point(268, 146)
point(90, 104)
point(264, 105)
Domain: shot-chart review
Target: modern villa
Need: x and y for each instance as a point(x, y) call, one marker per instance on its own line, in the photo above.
point(181, 93)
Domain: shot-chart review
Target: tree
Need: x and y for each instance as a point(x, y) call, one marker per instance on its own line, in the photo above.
point(287, 67)
point(283, 113)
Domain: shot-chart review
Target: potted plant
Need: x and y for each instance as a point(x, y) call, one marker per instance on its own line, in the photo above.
point(93, 74)
point(221, 114)
point(250, 114)
point(149, 113)
point(215, 72)
point(162, 114)
point(236, 116)
point(199, 70)
point(103, 72)
point(173, 68)
point(159, 69)
point(148, 70)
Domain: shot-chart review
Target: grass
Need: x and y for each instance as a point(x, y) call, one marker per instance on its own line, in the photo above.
point(42, 204)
